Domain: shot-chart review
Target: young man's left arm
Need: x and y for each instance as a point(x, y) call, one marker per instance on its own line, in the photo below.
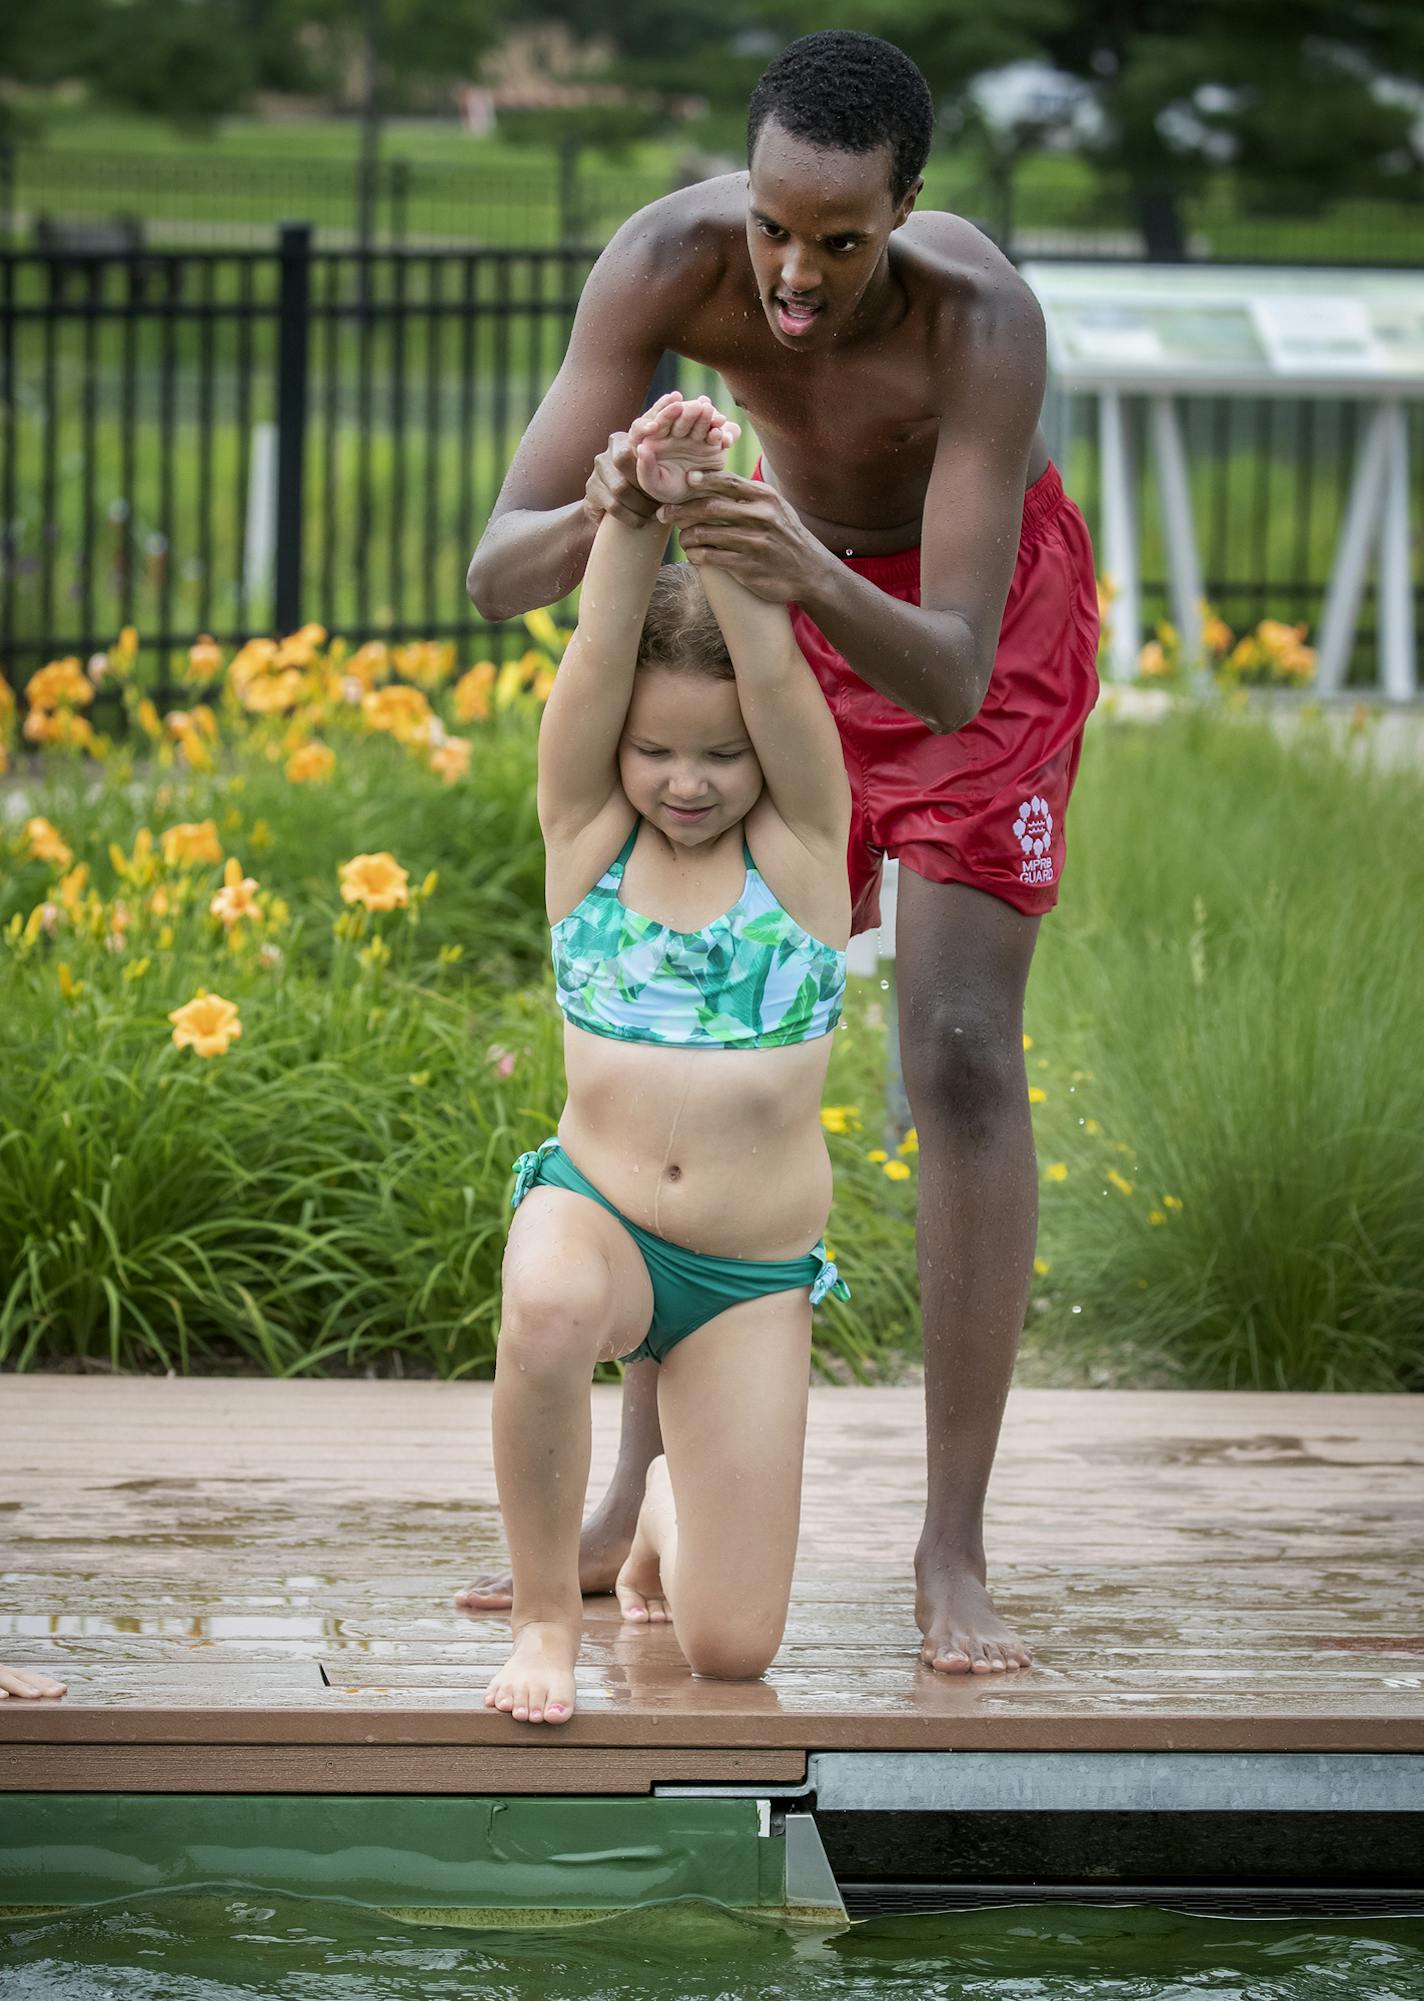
point(933, 659)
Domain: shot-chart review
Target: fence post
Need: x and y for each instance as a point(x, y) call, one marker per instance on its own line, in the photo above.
point(294, 242)
point(400, 191)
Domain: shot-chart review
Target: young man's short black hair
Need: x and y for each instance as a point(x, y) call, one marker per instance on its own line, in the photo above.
point(849, 93)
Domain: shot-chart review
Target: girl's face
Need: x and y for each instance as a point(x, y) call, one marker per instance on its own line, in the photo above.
point(685, 758)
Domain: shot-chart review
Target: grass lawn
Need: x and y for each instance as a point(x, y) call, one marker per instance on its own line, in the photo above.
point(1051, 190)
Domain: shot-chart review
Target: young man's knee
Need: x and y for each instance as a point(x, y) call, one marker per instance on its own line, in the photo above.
point(963, 1065)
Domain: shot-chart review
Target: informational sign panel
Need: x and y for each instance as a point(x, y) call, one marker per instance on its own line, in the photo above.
point(1142, 328)
point(1162, 332)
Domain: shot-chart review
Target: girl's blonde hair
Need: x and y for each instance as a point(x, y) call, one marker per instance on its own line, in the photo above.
point(681, 630)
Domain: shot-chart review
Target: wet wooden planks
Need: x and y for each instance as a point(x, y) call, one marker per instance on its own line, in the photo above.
point(247, 1584)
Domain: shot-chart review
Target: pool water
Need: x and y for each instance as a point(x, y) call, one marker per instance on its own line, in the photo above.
point(219, 1944)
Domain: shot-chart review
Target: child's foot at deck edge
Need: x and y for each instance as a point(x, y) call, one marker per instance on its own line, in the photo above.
point(536, 1683)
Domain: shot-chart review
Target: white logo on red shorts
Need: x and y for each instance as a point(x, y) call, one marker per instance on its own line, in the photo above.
point(1033, 830)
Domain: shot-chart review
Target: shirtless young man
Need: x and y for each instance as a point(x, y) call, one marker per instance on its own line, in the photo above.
point(942, 588)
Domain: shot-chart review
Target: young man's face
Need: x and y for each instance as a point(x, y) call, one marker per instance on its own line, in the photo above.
point(817, 227)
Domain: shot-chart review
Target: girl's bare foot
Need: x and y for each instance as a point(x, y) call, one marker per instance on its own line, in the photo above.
point(28, 1682)
point(536, 1683)
point(640, 1582)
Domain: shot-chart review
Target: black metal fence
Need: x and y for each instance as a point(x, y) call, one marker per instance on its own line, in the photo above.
point(237, 442)
point(241, 441)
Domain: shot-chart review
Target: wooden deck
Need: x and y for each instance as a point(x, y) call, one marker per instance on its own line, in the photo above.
point(247, 1586)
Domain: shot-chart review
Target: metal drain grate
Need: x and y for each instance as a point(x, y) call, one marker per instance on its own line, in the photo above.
point(878, 1900)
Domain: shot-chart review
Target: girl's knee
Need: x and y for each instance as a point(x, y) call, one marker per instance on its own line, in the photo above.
point(729, 1650)
point(556, 1316)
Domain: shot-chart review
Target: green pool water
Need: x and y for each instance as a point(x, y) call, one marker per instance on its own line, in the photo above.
point(218, 1945)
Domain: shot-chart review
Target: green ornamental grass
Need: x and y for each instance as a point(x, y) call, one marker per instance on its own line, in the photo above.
point(1224, 1051)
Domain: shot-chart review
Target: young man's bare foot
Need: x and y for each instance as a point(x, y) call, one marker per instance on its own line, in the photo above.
point(605, 1542)
point(963, 1634)
point(640, 1582)
point(536, 1683)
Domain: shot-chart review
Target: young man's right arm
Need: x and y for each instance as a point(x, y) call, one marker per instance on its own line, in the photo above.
point(537, 540)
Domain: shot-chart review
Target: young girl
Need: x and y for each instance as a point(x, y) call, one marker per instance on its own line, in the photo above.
point(695, 812)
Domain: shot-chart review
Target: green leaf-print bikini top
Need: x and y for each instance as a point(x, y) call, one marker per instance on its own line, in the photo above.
point(753, 979)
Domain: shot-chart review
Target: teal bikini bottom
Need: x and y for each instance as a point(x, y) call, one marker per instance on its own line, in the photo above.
point(689, 1287)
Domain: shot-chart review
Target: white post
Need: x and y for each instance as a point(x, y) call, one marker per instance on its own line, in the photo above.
point(1396, 582)
point(259, 544)
point(1341, 611)
point(1119, 536)
point(1178, 533)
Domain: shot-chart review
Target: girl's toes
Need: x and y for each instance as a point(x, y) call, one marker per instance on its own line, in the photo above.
point(633, 1604)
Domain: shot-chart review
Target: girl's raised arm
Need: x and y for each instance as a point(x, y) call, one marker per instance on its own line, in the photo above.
point(787, 717)
point(588, 704)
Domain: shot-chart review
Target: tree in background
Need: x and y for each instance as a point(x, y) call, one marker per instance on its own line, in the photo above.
point(1298, 103)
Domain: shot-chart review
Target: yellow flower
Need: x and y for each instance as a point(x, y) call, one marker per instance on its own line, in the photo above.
point(313, 764)
point(148, 720)
point(208, 1024)
point(877, 1154)
point(539, 625)
point(126, 645)
point(451, 760)
point(1217, 636)
point(236, 899)
point(376, 882)
point(60, 727)
point(62, 681)
point(910, 1143)
point(1171, 1201)
point(1152, 661)
point(1028, 1043)
point(1092, 1129)
point(1036, 1096)
point(70, 887)
point(1041, 1267)
point(1155, 1216)
point(896, 1170)
point(1058, 1171)
point(840, 1118)
point(191, 843)
point(265, 694)
point(1119, 1181)
point(43, 843)
point(403, 712)
point(204, 659)
point(68, 985)
point(472, 693)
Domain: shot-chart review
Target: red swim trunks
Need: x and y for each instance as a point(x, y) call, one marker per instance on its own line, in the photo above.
point(985, 804)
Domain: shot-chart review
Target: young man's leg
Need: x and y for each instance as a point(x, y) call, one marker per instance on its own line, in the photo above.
point(962, 962)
